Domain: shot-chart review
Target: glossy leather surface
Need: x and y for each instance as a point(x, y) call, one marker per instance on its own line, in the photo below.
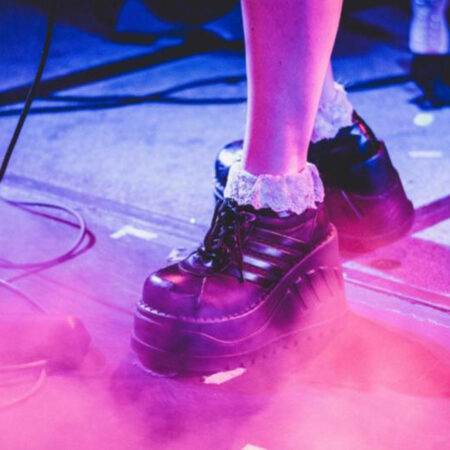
point(271, 246)
point(432, 74)
point(197, 319)
point(363, 191)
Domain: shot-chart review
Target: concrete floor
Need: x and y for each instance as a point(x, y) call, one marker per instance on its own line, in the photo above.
point(140, 172)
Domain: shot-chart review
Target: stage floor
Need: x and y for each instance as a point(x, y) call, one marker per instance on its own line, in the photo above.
point(138, 166)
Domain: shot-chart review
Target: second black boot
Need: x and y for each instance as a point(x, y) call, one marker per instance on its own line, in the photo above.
point(363, 191)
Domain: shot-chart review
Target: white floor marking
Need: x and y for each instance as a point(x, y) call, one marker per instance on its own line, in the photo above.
point(425, 154)
point(222, 377)
point(129, 230)
point(253, 447)
point(439, 233)
point(423, 119)
point(177, 254)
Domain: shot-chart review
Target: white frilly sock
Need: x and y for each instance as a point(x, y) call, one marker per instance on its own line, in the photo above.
point(281, 193)
point(332, 115)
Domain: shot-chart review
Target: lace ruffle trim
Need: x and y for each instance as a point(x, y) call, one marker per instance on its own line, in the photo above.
point(281, 193)
point(332, 116)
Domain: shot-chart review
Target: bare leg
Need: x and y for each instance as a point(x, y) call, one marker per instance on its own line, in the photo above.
point(328, 89)
point(288, 46)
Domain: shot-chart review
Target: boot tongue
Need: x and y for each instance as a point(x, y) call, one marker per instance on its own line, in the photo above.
point(223, 242)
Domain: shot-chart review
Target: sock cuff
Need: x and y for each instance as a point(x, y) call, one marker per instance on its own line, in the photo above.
point(332, 115)
point(281, 193)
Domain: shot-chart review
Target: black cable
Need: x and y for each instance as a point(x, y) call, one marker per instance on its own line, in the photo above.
point(32, 91)
point(10, 287)
point(80, 224)
point(51, 18)
point(12, 144)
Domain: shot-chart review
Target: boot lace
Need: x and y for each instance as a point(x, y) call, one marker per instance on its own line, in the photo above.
point(223, 242)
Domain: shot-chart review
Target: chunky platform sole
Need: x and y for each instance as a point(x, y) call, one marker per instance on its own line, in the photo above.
point(305, 309)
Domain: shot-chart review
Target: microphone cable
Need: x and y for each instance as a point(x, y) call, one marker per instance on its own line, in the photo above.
point(33, 89)
point(31, 95)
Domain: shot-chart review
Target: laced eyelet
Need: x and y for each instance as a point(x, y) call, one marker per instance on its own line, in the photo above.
point(223, 242)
